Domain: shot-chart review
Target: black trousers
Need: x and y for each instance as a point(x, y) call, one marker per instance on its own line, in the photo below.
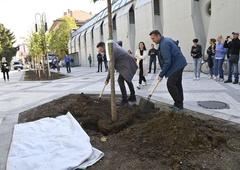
point(4, 77)
point(123, 88)
point(99, 66)
point(141, 77)
point(106, 65)
point(174, 85)
point(68, 67)
point(152, 60)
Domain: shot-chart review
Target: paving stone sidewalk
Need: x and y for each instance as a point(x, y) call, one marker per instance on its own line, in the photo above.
point(18, 95)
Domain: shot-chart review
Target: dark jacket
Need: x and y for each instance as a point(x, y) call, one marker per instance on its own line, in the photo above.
point(233, 47)
point(196, 50)
point(211, 53)
point(152, 53)
point(5, 67)
point(170, 57)
point(99, 57)
point(104, 58)
point(124, 63)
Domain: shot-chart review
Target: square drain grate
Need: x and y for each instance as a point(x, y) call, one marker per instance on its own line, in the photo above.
point(213, 104)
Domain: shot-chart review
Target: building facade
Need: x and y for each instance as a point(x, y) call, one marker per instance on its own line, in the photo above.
point(133, 20)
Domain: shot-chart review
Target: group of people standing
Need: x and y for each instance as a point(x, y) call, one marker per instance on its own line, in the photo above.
point(217, 50)
point(171, 60)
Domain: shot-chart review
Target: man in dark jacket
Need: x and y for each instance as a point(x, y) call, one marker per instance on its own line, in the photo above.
point(233, 53)
point(125, 64)
point(153, 56)
point(99, 59)
point(105, 62)
point(172, 63)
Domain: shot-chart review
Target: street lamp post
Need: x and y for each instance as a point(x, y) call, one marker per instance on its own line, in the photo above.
point(43, 28)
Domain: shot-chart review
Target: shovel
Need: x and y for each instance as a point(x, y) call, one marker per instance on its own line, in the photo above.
point(99, 97)
point(147, 105)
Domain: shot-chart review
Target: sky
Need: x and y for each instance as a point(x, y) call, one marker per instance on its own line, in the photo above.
point(19, 15)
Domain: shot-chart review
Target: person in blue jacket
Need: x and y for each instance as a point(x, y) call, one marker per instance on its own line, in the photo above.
point(172, 63)
point(67, 61)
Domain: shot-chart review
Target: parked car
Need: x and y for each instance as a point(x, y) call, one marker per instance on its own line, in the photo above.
point(17, 65)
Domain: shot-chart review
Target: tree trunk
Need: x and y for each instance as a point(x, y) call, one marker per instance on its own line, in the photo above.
point(110, 45)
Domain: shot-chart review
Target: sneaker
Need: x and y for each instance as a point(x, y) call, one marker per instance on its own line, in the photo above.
point(177, 109)
point(211, 77)
point(132, 98)
point(139, 86)
point(235, 82)
point(195, 78)
point(149, 72)
point(228, 81)
point(198, 78)
point(123, 102)
point(145, 83)
point(214, 78)
point(220, 79)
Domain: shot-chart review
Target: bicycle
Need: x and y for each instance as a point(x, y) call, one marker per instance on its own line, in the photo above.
point(205, 67)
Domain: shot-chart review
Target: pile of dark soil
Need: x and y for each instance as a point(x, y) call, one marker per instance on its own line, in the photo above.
point(158, 140)
point(32, 75)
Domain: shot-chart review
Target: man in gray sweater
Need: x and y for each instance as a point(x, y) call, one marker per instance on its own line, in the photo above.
point(125, 64)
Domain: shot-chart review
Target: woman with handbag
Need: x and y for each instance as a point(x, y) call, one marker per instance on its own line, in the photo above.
point(5, 68)
point(211, 56)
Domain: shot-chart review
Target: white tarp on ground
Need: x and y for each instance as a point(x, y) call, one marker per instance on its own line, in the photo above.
point(51, 143)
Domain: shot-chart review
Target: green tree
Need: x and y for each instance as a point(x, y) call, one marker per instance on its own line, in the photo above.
point(60, 37)
point(113, 99)
point(7, 39)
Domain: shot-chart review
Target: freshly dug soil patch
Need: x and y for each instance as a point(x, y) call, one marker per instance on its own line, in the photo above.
point(32, 75)
point(158, 140)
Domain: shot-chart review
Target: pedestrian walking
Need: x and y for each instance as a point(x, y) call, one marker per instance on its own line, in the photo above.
point(68, 63)
point(5, 68)
point(172, 63)
point(90, 60)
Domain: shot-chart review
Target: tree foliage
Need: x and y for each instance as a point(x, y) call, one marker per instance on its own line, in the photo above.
point(60, 37)
point(7, 39)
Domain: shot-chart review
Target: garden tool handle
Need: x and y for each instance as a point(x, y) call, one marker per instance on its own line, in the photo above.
point(102, 90)
point(150, 95)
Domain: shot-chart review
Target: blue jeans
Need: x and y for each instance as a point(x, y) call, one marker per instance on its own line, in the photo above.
point(152, 60)
point(211, 70)
point(235, 72)
point(218, 67)
point(197, 64)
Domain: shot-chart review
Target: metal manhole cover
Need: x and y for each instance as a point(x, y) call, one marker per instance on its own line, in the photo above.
point(213, 104)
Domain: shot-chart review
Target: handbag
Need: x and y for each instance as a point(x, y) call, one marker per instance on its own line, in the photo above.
point(233, 59)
